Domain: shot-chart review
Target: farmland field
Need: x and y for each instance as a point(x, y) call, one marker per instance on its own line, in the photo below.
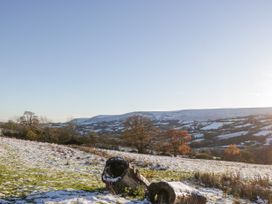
point(49, 173)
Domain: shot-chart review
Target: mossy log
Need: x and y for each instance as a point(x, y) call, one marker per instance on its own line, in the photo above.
point(174, 193)
point(119, 174)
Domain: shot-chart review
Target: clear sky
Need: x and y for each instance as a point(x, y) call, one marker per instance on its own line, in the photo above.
point(64, 59)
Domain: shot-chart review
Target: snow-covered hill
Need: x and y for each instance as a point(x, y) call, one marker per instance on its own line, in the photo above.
point(186, 115)
point(208, 127)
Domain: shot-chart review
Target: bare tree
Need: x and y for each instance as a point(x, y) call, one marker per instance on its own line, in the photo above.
point(176, 142)
point(29, 119)
point(138, 132)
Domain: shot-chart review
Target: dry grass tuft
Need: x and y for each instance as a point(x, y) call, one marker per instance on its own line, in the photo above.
point(235, 185)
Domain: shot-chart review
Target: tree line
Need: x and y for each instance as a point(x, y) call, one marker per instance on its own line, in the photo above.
point(31, 127)
point(139, 134)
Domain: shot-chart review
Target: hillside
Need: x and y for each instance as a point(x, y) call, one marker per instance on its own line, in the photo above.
point(184, 115)
point(208, 127)
point(49, 173)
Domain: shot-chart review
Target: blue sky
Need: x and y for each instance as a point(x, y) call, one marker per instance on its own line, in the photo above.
point(64, 59)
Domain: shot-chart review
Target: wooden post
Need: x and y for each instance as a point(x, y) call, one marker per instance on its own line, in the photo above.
point(118, 175)
point(174, 193)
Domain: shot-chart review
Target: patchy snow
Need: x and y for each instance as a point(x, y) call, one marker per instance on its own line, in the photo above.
point(187, 122)
point(237, 119)
point(228, 122)
point(262, 120)
point(214, 196)
point(213, 126)
point(198, 136)
point(183, 189)
point(65, 159)
point(268, 127)
point(204, 123)
point(71, 197)
point(162, 123)
point(263, 133)
point(231, 135)
point(36, 154)
point(111, 179)
point(120, 128)
point(186, 126)
point(198, 165)
point(198, 140)
point(244, 125)
point(268, 141)
point(178, 128)
point(53, 156)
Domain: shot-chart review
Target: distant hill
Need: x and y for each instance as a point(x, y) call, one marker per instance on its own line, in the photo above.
point(208, 127)
point(187, 115)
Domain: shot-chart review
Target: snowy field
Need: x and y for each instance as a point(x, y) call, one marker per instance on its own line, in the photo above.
point(32, 172)
point(199, 165)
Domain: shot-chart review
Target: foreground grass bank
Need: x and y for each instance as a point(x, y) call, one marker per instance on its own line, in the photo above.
point(30, 167)
point(19, 181)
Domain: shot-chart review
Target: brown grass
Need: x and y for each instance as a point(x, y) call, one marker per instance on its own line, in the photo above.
point(233, 184)
point(92, 150)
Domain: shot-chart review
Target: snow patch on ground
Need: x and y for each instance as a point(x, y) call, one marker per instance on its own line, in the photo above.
point(198, 136)
point(53, 156)
point(268, 141)
point(263, 133)
point(244, 125)
point(268, 127)
point(214, 196)
point(198, 140)
point(231, 135)
point(245, 170)
point(213, 126)
point(71, 197)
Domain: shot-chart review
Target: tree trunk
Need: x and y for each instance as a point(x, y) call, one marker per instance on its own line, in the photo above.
point(174, 193)
point(118, 175)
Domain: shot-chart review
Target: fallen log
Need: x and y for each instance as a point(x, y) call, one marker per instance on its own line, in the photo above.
point(119, 174)
point(174, 193)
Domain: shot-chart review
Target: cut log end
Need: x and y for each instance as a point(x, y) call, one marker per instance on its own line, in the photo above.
point(118, 175)
point(174, 193)
point(115, 169)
